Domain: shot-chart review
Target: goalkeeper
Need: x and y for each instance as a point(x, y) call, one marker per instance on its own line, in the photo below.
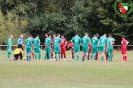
point(18, 53)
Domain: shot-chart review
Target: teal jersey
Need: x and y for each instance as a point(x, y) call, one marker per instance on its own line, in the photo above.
point(9, 42)
point(76, 40)
point(85, 40)
point(57, 41)
point(48, 42)
point(102, 41)
point(94, 41)
point(36, 42)
point(109, 43)
point(28, 42)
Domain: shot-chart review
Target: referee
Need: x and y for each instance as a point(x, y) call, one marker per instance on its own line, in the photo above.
point(20, 42)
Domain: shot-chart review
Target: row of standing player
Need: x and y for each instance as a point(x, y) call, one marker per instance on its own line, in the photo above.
point(55, 45)
point(102, 45)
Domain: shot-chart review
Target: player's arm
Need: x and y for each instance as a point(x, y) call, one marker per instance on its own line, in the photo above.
point(80, 41)
point(72, 40)
point(9, 42)
point(106, 41)
point(45, 42)
point(89, 41)
point(60, 40)
point(32, 41)
point(122, 43)
point(22, 52)
point(65, 43)
point(127, 42)
point(39, 42)
point(106, 46)
point(98, 42)
point(18, 40)
point(113, 41)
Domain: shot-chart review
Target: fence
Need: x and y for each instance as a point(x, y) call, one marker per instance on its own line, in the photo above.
point(116, 47)
point(4, 47)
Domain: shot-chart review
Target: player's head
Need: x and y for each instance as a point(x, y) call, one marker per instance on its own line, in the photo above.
point(58, 35)
point(123, 36)
point(86, 34)
point(110, 36)
point(46, 35)
point(21, 36)
point(104, 34)
point(54, 35)
point(96, 35)
point(29, 35)
point(37, 35)
point(19, 46)
point(11, 36)
point(76, 33)
point(49, 35)
point(62, 36)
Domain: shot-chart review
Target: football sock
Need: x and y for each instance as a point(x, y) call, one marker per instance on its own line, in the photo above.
point(77, 57)
point(56, 56)
point(52, 55)
point(106, 56)
point(39, 56)
point(94, 56)
point(27, 57)
point(91, 56)
point(123, 58)
point(87, 57)
point(72, 55)
point(48, 56)
point(8, 56)
point(45, 57)
point(111, 57)
point(35, 56)
point(82, 58)
point(64, 55)
point(59, 56)
point(102, 58)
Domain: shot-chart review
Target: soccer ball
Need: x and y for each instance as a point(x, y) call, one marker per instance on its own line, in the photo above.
point(24, 58)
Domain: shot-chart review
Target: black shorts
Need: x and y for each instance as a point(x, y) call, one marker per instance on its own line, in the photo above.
point(17, 55)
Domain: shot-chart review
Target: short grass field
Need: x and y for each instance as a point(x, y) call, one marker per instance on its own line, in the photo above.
point(66, 74)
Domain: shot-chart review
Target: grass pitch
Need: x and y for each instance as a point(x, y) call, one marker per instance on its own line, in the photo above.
point(66, 74)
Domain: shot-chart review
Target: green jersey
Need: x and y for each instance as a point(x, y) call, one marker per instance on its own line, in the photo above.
point(102, 41)
point(48, 42)
point(36, 42)
point(109, 43)
point(28, 43)
point(85, 40)
point(57, 41)
point(94, 41)
point(76, 40)
point(9, 43)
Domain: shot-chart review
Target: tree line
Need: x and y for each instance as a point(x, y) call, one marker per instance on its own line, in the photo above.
point(62, 16)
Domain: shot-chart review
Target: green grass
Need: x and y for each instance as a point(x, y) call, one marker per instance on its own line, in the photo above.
point(66, 74)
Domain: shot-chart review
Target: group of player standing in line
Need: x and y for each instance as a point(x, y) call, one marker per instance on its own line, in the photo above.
point(55, 47)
